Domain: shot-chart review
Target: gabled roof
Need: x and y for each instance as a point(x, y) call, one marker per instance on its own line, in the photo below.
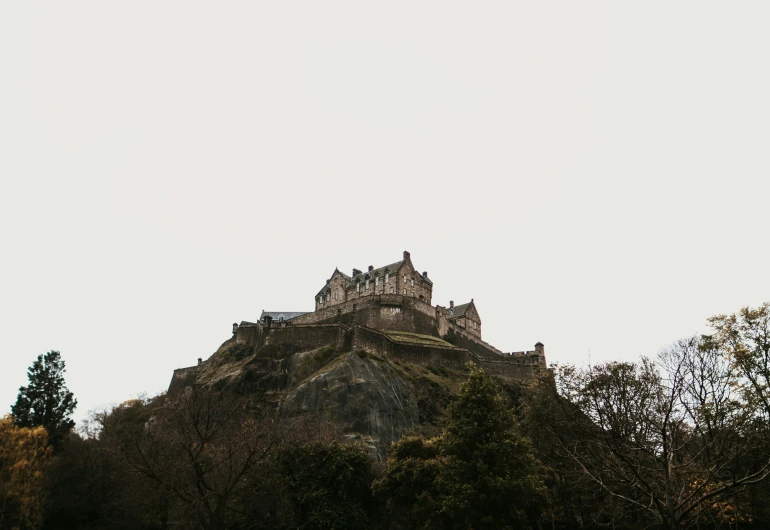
point(277, 315)
point(393, 267)
point(459, 310)
point(361, 276)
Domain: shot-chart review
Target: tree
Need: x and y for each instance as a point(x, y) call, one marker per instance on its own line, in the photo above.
point(745, 338)
point(46, 401)
point(480, 473)
point(24, 454)
point(669, 443)
point(491, 478)
point(201, 447)
point(328, 484)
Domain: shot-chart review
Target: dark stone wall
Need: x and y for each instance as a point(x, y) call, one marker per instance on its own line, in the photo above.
point(391, 312)
point(182, 378)
point(461, 340)
point(373, 341)
point(310, 336)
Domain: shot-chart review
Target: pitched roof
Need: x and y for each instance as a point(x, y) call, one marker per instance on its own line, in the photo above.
point(459, 310)
point(277, 315)
point(361, 276)
point(393, 267)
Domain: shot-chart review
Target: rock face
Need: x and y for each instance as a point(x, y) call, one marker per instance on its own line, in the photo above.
point(373, 399)
point(363, 394)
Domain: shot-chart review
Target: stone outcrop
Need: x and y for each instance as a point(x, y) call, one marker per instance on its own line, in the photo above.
point(362, 394)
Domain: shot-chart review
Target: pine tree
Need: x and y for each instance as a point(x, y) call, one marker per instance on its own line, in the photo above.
point(46, 401)
point(491, 478)
point(480, 473)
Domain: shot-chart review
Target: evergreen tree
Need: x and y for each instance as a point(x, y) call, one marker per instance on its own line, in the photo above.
point(480, 473)
point(491, 478)
point(46, 401)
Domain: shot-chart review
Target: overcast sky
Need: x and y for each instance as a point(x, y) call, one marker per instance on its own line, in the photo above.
point(593, 174)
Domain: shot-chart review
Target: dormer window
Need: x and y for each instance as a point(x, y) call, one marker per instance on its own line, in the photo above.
point(367, 283)
point(358, 287)
point(328, 296)
point(376, 281)
point(387, 277)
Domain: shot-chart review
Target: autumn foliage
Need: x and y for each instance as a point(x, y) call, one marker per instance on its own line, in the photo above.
point(24, 454)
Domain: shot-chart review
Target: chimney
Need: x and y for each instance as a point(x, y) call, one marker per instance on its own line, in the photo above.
point(406, 255)
point(451, 304)
point(200, 361)
point(425, 274)
point(235, 327)
point(371, 268)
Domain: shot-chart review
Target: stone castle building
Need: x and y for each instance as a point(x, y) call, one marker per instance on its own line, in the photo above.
point(387, 311)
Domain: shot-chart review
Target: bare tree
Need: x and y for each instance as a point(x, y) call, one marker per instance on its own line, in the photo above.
point(670, 441)
point(202, 448)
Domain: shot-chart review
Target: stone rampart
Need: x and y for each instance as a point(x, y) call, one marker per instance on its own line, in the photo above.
point(310, 335)
point(374, 341)
point(183, 377)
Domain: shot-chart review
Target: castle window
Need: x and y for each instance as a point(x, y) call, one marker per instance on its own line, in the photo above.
point(328, 296)
point(387, 278)
point(358, 287)
point(411, 293)
point(404, 280)
point(391, 290)
point(412, 282)
point(404, 291)
point(367, 283)
point(376, 281)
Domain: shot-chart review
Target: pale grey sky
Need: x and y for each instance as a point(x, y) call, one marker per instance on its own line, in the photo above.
point(594, 174)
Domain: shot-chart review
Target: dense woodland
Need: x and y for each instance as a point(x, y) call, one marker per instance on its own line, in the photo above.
point(677, 440)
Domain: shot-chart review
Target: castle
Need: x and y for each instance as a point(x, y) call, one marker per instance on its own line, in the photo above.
point(387, 311)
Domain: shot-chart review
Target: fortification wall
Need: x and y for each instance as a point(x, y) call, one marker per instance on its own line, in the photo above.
point(509, 369)
point(373, 341)
point(460, 338)
point(248, 333)
point(387, 311)
point(310, 336)
point(182, 378)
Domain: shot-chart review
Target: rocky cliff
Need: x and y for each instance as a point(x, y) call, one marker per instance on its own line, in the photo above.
point(371, 398)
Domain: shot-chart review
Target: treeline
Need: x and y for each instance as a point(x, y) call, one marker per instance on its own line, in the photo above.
point(681, 440)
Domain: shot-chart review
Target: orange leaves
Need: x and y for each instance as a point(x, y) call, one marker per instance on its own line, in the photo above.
point(24, 454)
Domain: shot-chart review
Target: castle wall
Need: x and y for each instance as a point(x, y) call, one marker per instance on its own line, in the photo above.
point(310, 336)
point(248, 333)
point(460, 337)
point(182, 378)
point(393, 312)
point(372, 341)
